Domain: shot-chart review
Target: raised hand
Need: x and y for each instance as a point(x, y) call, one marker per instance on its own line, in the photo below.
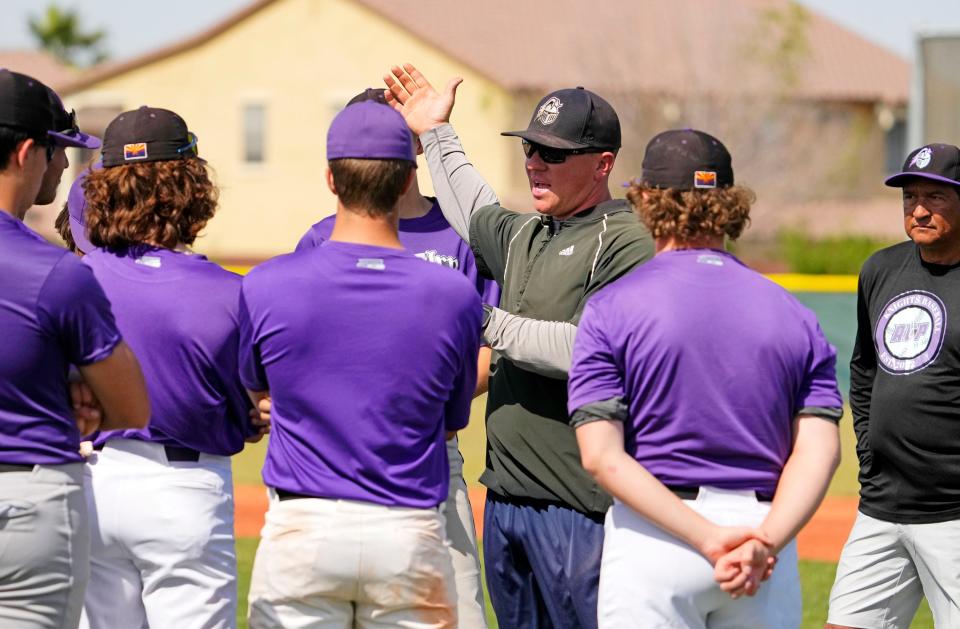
point(410, 93)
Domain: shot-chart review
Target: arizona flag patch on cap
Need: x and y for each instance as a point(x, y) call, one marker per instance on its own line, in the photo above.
point(134, 151)
point(704, 179)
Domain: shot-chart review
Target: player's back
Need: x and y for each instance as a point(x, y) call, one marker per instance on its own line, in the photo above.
point(716, 359)
point(368, 353)
point(52, 313)
point(178, 312)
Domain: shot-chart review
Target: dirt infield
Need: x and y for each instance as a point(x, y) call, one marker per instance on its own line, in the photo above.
point(822, 539)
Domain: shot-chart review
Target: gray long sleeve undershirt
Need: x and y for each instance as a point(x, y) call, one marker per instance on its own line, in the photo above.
point(543, 347)
point(460, 189)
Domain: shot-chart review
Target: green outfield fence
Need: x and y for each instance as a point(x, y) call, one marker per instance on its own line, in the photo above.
point(834, 299)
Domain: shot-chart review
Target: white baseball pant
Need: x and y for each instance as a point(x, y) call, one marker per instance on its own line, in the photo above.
point(163, 552)
point(462, 534)
point(44, 547)
point(340, 564)
point(651, 579)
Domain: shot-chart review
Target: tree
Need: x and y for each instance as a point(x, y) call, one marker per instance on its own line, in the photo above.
point(58, 31)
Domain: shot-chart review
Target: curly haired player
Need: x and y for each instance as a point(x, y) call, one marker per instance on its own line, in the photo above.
point(705, 401)
point(163, 540)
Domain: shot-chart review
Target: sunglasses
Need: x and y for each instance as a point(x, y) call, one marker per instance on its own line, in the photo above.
point(551, 155)
point(191, 147)
point(74, 127)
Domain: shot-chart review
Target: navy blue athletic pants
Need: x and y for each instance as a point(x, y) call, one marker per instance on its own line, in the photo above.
point(542, 563)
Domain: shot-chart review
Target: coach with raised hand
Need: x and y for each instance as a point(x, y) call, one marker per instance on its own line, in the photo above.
point(547, 263)
point(53, 313)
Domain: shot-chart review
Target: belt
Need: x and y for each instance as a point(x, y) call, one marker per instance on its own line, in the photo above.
point(181, 455)
point(283, 494)
point(15, 467)
point(175, 454)
point(691, 493)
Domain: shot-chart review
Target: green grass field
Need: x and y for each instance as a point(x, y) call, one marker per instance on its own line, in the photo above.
point(816, 577)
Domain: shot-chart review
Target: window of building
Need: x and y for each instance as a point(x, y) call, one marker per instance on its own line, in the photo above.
point(896, 146)
point(254, 133)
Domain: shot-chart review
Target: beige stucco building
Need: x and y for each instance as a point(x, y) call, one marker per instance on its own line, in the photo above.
point(812, 112)
point(260, 91)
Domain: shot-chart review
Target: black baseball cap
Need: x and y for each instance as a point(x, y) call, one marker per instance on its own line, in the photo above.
point(65, 130)
point(148, 134)
point(573, 119)
point(371, 93)
point(686, 159)
point(939, 162)
point(24, 104)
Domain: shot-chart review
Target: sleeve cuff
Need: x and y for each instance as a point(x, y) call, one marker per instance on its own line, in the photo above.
point(487, 313)
point(826, 412)
point(613, 409)
point(101, 353)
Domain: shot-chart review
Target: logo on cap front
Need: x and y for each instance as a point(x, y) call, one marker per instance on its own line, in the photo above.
point(549, 111)
point(910, 331)
point(134, 151)
point(704, 179)
point(922, 158)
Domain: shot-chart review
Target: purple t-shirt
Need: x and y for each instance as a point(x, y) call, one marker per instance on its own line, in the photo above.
point(712, 360)
point(430, 238)
point(370, 357)
point(52, 314)
point(179, 314)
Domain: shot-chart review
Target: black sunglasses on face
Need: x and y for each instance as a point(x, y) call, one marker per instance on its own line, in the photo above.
point(73, 128)
point(551, 155)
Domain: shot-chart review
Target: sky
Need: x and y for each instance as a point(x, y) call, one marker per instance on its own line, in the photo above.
point(137, 26)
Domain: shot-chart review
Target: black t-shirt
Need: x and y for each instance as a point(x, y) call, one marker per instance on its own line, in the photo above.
point(905, 387)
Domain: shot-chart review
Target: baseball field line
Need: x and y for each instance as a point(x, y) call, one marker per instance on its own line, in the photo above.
point(794, 282)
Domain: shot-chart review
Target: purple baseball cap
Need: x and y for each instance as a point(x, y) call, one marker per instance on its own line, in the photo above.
point(65, 131)
point(76, 208)
point(370, 130)
point(938, 162)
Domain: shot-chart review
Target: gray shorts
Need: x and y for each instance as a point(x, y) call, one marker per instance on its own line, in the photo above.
point(44, 547)
point(886, 568)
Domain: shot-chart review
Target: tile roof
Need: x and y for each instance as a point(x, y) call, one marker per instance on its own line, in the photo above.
point(671, 47)
point(675, 47)
point(39, 65)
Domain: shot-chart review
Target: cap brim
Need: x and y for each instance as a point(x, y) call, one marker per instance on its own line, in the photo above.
point(546, 139)
point(897, 181)
point(76, 139)
point(79, 232)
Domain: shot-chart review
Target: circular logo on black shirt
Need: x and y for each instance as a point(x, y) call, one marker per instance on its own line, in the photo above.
point(910, 332)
